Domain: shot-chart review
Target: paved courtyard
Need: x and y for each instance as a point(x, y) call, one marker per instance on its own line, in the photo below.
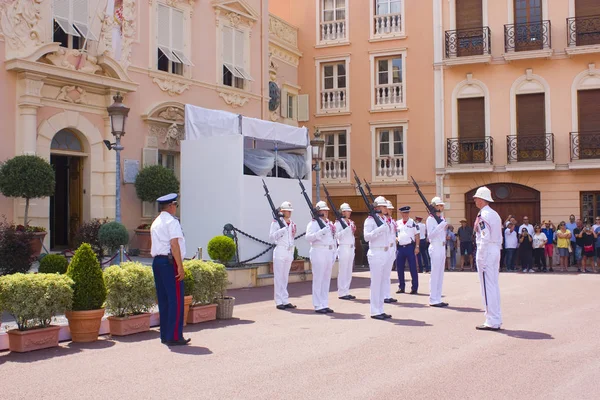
point(547, 350)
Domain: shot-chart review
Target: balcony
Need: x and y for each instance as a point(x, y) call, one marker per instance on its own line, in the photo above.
point(527, 40)
point(334, 170)
point(333, 100)
point(387, 25)
point(469, 151)
point(583, 35)
point(389, 96)
point(389, 168)
point(333, 31)
point(530, 148)
point(468, 46)
point(585, 146)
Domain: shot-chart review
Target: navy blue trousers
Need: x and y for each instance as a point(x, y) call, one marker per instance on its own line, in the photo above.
point(403, 254)
point(423, 256)
point(169, 293)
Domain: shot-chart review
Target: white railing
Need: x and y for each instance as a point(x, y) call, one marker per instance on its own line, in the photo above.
point(389, 167)
point(333, 99)
point(334, 169)
point(333, 30)
point(391, 94)
point(388, 24)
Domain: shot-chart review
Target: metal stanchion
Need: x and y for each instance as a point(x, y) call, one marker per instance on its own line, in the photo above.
point(121, 257)
point(199, 254)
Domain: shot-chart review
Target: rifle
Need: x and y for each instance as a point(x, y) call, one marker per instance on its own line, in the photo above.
point(276, 214)
point(369, 190)
point(372, 211)
point(310, 206)
point(429, 207)
point(338, 215)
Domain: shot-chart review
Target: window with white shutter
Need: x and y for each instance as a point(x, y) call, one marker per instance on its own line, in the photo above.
point(170, 40)
point(235, 72)
point(72, 23)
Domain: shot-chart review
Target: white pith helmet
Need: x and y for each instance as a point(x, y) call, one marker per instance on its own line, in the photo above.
point(484, 193)
point(322, 206)
point(345, 207)
point(436, 201)
point(389, 205)
point(286, 206)
point(380, 201)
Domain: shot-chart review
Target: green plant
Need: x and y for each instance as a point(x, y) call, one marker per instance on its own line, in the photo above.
point(88, 233)
point(113, 235)
point(221, 248)
point(34, 299)
point(296, 255)
point(203, 290)
point(188, 281)
point(27, 176)
point(54, 263)
point(155, 181)
point(220, 280)
point(89, 290)
point(130, 289)
point(15, 249)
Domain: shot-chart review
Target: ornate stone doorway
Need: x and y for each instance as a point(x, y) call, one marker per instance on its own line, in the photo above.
point(509, 199)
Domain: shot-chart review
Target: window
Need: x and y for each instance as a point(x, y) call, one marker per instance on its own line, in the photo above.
point(167, 160)
point(335, 145)
point(334, 10)
point(389, 88)
point(65, 140)
point(590, 206)
point(335, 164)
point(390, 142)
point(388, 149)
point(334, 86)
point(388, 7)
point(70, 25)
point(471, 130)
point(387, 19)
point(291, 106)
point(333, 20)
point(234, 63)
point(171, 57)
point(585, 28)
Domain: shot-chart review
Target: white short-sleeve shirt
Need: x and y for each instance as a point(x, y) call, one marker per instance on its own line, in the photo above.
point(164, 228)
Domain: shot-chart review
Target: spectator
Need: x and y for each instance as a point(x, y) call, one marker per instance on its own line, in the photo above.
point(465, 236)
point(539, 248)
point(526, 250)
point(595, 230)
point(578, 250)
point(527, 225)
point(588, 237)
point(509, 220)
point(548, 230)
point(570, 226)
point(511, 243)
point(563, 241)
point(597, 235)
point(451, 244)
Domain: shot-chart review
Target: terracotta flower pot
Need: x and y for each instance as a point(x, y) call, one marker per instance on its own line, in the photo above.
point(202, 314)
point(34, 339)
point(144, 241)
point(36, 243)
point(187, 301)
point(85, 325)
point(123, 326)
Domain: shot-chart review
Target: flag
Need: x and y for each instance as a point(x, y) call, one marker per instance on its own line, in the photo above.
point(117, 33)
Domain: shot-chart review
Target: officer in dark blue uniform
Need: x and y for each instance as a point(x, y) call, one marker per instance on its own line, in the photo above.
point(408, 239)
point(168, 250)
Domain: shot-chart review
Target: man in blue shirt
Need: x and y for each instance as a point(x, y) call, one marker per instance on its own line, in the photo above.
point(549, 230)
point(571, 225)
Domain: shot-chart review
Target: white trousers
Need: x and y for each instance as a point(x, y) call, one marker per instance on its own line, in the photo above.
point(489, 258)
point(437, 254)
point(322, 260)
point(282, 262)
point(346, 262)
point(378, 262)
point(388, 272)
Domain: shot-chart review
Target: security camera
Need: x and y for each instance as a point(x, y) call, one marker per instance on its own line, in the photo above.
point(108, 144)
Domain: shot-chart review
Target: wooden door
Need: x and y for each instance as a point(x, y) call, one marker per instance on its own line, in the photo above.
point(75, 196)
point(588, 29)
point(589, 123)
point(509, 199)
point(531, 127)
point(471, 130)
point(469, 24)
point(529, 30)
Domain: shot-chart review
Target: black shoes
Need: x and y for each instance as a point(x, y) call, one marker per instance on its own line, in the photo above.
point(386, 316)
point(486, 328)
point(281, 306)
point(399, 291)
point(379, 317)
point(321, 311)
point(347, 297)
point(180, 342)
point(413, 292)
point(390, 300)
point(329, 310)
point(285, 306)
point(439, 305)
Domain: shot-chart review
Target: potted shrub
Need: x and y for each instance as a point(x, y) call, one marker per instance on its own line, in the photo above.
point(203, 292)
point(28, 177)
point(221, 248)
point(113, 235)
point(88, 296)
point(188, 285)
point(33, 300)
point(16, 252)
point(130, 295)
point(88, 233)
point(54, 264)
point(151, 183)
point(224, 303)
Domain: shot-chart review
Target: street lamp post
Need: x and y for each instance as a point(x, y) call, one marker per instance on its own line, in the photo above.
point(118, 115)
point(317, 145)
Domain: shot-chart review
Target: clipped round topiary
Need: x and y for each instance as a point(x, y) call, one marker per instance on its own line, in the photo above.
point(54, 264)
point(155, 181)
point(221, 248)
point(89, 288)
point(113, 235)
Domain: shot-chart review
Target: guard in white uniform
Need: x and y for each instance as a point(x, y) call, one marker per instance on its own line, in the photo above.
point(378, 255)
point(437, 253)
point(322, 257)
point(488, 230)
point(391, 252)
point(346, 240)
point(283, 255)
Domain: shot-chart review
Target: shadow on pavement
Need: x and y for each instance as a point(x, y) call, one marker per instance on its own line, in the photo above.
point(335, 315)
point(38, 355)
point(138, 337)
point(102, 343)
point(216, 324)
point(527, 335)
point(410, 305)
point(409, 322)
point(190, 350)
point(465, 309)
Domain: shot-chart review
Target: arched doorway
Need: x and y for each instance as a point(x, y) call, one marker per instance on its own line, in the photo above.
point(509, 199)
point(66, 206)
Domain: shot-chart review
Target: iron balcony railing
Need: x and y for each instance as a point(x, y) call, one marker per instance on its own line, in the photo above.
point(583, 31)
point(530, 147)
point(468, 42)
point(585, 145)
point(470, 151)
point(527, 36)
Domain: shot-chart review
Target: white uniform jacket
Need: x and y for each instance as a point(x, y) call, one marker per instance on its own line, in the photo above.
point(321, 238)
point(436, 232)
point(283, 237)
point(488, 228)
point(378, 237)
point(345, 237)
point(406, 231)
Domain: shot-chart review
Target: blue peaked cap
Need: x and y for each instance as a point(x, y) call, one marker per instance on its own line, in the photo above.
point(168, 198)
point(405, 209)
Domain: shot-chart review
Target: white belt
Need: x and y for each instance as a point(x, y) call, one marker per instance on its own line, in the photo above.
point(350, 245)
point(323, 246)
point(442, 243)
point(286, 248)
point(386, 248)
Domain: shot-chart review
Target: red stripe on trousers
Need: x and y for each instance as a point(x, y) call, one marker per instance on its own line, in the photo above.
point(178, 296)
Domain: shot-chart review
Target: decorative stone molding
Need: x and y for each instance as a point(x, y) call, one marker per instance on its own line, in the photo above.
point(172, 86)
point(20, 24)
point(75, 60)
point(30, 84)
point(127, 26)
point(169, 136)
point(237, 11)
point(234, 99)
point(284, 55)
point(283, 31)
point(273, 67)
point(172, 114)
point(66, 93)
point(173, 135)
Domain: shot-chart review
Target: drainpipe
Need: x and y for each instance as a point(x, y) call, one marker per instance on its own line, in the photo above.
point(262, 61)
